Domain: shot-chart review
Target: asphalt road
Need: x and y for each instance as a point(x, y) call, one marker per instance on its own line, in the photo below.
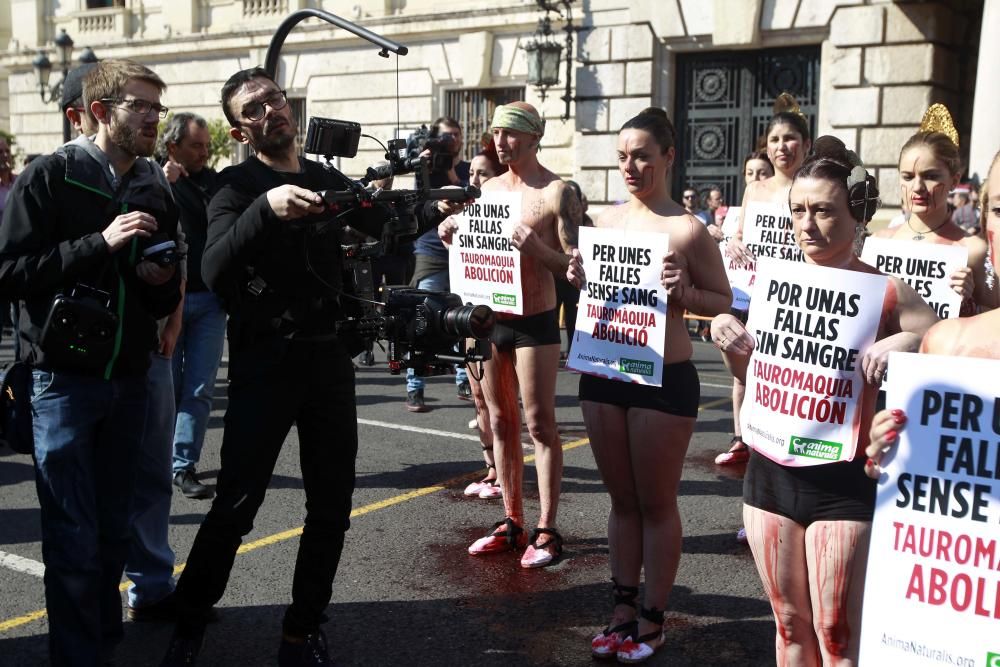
point(407, 592)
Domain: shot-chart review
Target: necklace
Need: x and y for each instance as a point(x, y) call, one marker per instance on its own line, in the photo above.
point(919, 236)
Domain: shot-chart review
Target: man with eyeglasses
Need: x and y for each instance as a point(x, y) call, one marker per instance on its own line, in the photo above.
point(280, 279)
point(71, 243)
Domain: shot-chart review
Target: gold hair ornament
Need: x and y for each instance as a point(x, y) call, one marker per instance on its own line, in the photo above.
point(938, 119)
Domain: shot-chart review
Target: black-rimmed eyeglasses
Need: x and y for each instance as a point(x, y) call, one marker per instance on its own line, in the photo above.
point(255, 110)
point(138, 106)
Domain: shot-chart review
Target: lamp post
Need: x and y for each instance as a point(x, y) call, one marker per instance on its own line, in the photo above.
point(43, 70)
point(544, 52)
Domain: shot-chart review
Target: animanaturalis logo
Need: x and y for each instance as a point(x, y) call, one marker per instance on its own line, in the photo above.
point(635, 367)
point(814, 449)
point(504, 299)
point(992, 659)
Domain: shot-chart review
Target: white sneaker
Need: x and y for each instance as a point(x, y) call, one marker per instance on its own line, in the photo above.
point(474, 423)
point(491, 490)
point(475, 488)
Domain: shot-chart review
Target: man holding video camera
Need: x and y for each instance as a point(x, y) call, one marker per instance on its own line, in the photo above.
point(276, 264)
point(78, 246)
point(443, 149)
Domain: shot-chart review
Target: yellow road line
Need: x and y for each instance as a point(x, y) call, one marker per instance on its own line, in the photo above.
point(366, 509)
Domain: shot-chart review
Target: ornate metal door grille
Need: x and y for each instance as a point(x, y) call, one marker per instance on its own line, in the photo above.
point(474, 108)
point(724, 103)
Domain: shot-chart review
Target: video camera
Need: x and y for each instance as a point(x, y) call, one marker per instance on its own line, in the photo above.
point(424, 330)
point(442, 146)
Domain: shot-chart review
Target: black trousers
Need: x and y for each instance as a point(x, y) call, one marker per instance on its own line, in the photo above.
point(568, 297)
point(274, 384)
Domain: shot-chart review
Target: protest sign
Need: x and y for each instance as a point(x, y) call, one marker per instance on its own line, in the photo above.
point(812, 325)
point(932, 588)
point(621, 321)
point(740, 276)
point(767, 231)
point(483, 266)
point(926, 267)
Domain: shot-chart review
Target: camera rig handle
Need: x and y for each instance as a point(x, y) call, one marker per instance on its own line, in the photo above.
point(278, 40)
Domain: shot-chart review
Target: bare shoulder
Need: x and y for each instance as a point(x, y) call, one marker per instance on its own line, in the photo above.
point(684, 229)
point(885, 233)
point(753, 191)
point(943, 337)
point(977, 248)
point(612, 216)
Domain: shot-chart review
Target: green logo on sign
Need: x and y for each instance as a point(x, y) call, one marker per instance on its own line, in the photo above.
point(504, 299)
point(814, 449)
point(993, 660)
point(635, 366)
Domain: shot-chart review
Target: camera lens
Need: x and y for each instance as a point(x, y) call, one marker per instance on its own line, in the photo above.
point(469, 321)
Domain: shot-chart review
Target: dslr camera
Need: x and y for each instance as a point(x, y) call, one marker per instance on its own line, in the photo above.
point(424, 330)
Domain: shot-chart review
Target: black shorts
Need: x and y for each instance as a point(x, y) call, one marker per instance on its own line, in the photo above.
point(679, 395)
point(528, 331)
point(828, 492)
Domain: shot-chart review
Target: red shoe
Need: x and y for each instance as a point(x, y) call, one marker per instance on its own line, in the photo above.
point(738, 452)
point(511, 538)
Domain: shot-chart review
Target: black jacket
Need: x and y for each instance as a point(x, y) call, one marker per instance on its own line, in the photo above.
point(50, 240)
point(295, 266)
point(193, 194)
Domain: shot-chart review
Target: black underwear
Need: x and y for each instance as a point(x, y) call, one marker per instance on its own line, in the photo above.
point(679, 395)
point(828, 492)
point(528, 331)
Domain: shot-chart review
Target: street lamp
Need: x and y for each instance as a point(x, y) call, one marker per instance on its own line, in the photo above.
point(545, 53)
point(43, 70)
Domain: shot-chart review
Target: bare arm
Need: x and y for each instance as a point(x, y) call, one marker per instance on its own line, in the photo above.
point(706, 290)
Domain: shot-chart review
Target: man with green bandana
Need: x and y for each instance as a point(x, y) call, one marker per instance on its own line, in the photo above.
point(526, 347)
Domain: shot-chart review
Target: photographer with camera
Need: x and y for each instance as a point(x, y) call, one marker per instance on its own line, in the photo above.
point(75, 249)
point(276, 264)
point(443, 147)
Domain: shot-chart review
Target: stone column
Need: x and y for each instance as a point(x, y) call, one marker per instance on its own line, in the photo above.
point(986, 107)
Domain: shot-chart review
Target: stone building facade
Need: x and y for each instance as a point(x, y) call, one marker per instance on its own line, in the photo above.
point(877, 66)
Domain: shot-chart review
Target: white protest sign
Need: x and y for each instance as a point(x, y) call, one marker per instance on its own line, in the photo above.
point(812, 325)
point(483, 266)
point(932, 589)
point(741, 277)
point(621, 321)
point(767, 231)
point(926, 267)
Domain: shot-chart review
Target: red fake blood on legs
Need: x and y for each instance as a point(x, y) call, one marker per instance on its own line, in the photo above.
point(834, 544)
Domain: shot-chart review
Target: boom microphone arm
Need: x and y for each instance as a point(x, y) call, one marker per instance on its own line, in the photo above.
point(274, 49)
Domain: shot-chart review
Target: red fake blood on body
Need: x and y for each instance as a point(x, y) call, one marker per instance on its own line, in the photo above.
point(834, 544)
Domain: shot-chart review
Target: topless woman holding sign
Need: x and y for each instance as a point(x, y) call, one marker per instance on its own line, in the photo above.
point(809, 527)
point(929, 168)
point(977, 336)
point(787, 146)
point(639, 434)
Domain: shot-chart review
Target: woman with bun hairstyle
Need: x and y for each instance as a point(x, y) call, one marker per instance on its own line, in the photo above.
point(787, 143)
point(977, 336)
point(930, 168)
point(809, 527)
point(640, 434)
